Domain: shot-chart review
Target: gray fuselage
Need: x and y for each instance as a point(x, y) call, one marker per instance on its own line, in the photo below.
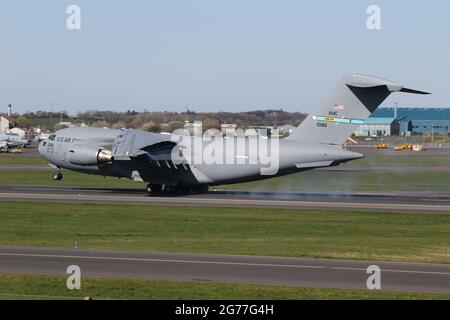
point(163, 158)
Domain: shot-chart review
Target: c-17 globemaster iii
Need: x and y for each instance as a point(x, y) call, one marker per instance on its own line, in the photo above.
point(176, 163)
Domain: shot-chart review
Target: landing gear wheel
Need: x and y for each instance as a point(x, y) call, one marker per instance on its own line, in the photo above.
point(184, 189)
point(57, 176)
point(170, 189)
point(153, 188)
point(200, 189)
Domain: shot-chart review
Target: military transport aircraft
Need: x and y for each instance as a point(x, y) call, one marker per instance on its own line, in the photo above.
point(189, 164)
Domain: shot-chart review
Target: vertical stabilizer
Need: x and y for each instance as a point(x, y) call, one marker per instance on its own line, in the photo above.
point(354, 98)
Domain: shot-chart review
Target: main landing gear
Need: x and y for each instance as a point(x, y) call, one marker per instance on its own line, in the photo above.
point(199, 189)
point(158, 189)
point(57, 175)
point(153, 188)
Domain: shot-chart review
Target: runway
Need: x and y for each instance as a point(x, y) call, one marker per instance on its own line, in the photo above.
point(314, 273)
point(400, 202)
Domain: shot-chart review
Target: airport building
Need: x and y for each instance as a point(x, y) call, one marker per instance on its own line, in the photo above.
point(379, 127)
point(411, 121)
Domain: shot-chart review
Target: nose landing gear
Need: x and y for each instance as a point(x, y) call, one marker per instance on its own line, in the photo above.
point(57, 176)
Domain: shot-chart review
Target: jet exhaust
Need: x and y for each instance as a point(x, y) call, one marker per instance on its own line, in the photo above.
point(85, 156)
point(104, 156)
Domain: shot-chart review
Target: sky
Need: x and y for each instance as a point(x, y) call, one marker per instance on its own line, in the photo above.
point(209, 55)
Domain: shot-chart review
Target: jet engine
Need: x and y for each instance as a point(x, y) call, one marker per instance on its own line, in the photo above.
point(88, 156)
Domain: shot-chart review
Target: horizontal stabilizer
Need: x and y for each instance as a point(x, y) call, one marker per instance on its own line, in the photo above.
point(407, 90)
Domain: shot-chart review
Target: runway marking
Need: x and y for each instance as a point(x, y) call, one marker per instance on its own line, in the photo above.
point(269, 265)
point(40, 189)
point(286, 203)
point(60, 189)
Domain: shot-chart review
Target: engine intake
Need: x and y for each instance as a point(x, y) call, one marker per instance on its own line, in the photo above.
point(86, 156)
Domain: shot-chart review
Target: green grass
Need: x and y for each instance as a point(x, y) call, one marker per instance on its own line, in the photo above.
point(47, 122)
point(406, 158)
point(401, 179)
point(46, 287)
point(310, 181)
point(241, 231)
point(332, 181)
point(44, 177)
point(15, 159)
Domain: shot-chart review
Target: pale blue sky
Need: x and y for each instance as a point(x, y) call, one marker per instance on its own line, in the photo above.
point(235, 55)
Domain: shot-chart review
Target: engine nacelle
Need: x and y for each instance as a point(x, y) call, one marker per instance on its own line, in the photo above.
point(88, 156)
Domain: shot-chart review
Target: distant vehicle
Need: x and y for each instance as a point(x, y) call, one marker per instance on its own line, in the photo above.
point(382, 146)
point(16, 150)
point(417, 148)
point(404, 147)
point(167, 162)
point(3, 146)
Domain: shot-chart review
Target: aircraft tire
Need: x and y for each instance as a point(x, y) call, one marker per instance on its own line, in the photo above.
point(170, 189)
point(200, 189)
point(153, 188)
point(57, 176)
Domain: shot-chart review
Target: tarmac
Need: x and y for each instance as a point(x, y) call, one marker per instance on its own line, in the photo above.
point(392, 202)
point(313, 273)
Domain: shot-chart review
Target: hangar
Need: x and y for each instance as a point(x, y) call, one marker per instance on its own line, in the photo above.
point(378, 127)
point(413, 121)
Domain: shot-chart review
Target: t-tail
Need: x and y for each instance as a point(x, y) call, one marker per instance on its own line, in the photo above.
point(354, 98)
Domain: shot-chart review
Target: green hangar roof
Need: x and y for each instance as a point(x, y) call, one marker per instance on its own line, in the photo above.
point(406, 114)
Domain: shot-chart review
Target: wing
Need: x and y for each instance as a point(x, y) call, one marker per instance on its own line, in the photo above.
point(134, 143)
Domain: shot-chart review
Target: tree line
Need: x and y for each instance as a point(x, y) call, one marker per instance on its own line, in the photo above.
point(158, 121)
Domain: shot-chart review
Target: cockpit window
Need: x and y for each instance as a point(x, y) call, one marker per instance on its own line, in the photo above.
point(52, 137)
